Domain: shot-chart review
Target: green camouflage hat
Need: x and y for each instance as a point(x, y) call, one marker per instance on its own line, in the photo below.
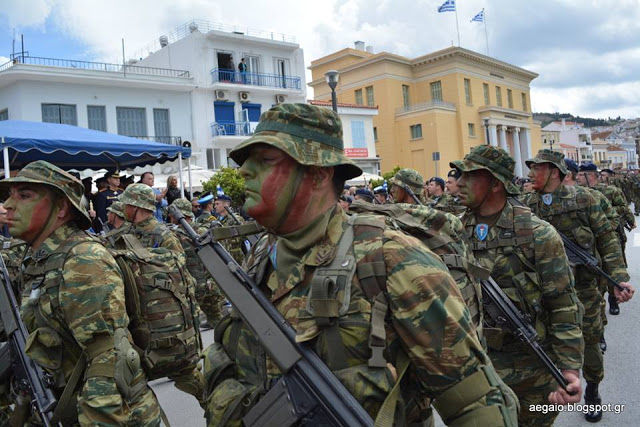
point(42, 172)
point(139, 195)
point(117, 208)
point(311, 135)
point(409, 177)
point(495, 160)
point(556, 158)
point(183, 206)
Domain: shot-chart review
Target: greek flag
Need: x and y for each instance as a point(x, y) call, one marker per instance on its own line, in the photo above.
point(479, 17)
point(448, 6)
point(219, 190)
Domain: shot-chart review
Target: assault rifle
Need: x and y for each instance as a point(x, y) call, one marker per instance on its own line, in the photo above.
point(412, 194)
point(579, 256)
point(28, 376)
point(308, 392)
point(252, 238)
point(509, 316)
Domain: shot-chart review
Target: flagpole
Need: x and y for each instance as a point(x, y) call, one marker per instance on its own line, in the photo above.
point(457, 27)
point(486, 36)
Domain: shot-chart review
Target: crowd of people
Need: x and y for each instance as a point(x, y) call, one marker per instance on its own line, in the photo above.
point(383, 283)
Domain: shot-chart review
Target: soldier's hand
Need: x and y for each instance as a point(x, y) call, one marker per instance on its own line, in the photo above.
point(561, 396)
point(627, 294)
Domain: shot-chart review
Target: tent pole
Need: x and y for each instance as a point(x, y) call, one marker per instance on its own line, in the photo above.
point(5, 155)
point(180, 175)
point(190, 179)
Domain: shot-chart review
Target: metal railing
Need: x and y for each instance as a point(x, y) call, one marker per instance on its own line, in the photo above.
point(233, 129)
point(425, 105)
point(95, 66)
point(169, 140)
point(225, 75)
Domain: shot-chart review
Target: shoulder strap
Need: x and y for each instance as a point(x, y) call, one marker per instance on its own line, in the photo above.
point(523, 229)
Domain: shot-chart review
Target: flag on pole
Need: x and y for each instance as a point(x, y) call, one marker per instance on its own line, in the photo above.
point(479, 17)
point(219, 190)
point(447, 6)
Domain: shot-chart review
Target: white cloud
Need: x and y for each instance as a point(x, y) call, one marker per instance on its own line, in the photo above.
point(26, 13)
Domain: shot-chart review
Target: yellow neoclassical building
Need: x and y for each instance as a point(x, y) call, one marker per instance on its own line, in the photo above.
point(433, 109)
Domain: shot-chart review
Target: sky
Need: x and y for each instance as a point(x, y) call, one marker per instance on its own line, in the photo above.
point(586, 52)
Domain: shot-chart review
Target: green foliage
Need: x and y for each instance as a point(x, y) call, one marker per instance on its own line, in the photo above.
point(232, 184)
point(387, 176)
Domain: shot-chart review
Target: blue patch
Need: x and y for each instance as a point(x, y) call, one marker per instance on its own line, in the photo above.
point(547, 198)
point(482, 230)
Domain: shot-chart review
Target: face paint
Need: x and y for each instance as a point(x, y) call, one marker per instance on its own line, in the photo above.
point(271, 185)
point(30, 211)
point(397, 192)
point(539, 174)
point(474, 187)
point(129, 212)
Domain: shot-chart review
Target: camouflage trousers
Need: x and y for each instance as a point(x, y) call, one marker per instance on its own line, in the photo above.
point(592, 329)
point(210, 300)
point(530, 381)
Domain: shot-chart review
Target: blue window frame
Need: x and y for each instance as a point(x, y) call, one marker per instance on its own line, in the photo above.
point(357, 134)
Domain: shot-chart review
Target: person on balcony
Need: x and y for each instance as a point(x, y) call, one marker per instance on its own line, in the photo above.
point(242, 67)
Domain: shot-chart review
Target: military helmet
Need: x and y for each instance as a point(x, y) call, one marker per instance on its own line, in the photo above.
point(493, 159)
point(42, 172)
point(408, 177)
point(311, 135)
point(117, 208)
point(556, 158)
point(183, 206)
point(139, 195)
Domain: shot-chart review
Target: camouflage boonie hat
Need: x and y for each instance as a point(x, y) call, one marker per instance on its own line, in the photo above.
point(311, 135)
point(409, 177)
point(139, 195)
point(495, 160)
point(556, 158)
point(42, 172)
point(183, 206)
point(117, 208)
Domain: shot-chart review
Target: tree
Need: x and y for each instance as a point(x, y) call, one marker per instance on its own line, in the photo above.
point(386, 177)
point(231, 182)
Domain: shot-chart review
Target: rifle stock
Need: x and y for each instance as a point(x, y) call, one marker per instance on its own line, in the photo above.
point(308, 392)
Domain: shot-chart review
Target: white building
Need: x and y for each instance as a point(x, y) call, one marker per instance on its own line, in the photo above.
point(180, 88)
point(575, 140)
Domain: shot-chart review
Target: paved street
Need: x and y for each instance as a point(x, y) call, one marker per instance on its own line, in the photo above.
point(621, 384)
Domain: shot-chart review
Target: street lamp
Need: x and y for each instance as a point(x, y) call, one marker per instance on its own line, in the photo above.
point(486, 129)
point(332, 81)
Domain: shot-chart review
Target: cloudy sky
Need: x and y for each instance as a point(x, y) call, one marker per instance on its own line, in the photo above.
point(587, 52)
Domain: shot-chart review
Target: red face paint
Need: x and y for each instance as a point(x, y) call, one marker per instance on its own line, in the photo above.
point(29, 211)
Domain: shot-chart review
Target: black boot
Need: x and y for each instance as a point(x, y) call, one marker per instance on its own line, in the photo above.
point(603, 344)
point(614, 308)
point(592, 397)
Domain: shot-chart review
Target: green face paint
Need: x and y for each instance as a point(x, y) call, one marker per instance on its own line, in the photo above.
point(30, 211)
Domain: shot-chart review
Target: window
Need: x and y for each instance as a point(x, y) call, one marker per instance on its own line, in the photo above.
point(216, 158)
point(161, 125)
point(59, 113)
point(131, 121)
point(498, 96)
point(359, 97)
point(405, 96)
point(509, 99)
point(357, 134)
point(370, 101)
point(436, 91)
point(210, 164)
point(485, 90)
point(467, 91)
point(97, 117)
point(282, 70)
point(416, 131)
point(4, 115)
point(524, 102)
point(472, 130)
point(375, 134)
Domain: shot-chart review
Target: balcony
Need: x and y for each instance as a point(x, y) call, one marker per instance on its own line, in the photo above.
point(169, 140)
point(233, 129)
point(94, 66)
point(223, 75)
point(426, 106)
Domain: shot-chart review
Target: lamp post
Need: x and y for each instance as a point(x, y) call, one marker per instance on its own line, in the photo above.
point(332, 81)
point(486, 129)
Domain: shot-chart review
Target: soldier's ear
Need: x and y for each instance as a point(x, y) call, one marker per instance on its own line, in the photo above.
point(321, 176)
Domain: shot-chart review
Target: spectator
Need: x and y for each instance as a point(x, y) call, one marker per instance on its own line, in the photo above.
point(149, 179)
point(242, 66)
point(173, 192)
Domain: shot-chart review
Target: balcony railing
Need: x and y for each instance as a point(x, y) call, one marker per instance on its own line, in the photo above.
point(425, 105)
point(94, 66)
point(233, 129)
point(169, 140)
point(224, 75)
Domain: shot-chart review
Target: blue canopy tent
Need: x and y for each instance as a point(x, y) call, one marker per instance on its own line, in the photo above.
point(72, 147)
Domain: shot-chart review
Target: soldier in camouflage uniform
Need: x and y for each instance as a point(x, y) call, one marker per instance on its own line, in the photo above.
point(526, 258)
point(578, 215)
point(207, 292)
point(404, 182)
point(139, 208)
point(74, 305)
point(294, 169)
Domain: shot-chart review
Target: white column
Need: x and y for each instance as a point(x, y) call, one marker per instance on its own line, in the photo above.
point(527, 149)
point(503, 138)
point(517, 156)
point(493, 135)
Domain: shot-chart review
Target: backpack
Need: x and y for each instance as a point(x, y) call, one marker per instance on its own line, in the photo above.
point(160, 301)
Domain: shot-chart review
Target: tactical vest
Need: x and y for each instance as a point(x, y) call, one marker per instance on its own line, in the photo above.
point(194, 264)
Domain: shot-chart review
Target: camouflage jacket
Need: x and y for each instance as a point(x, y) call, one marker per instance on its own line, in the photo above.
point(427, 319)
point(194, 264)
point(605, 205)
point(536, 276)
point(579, 216)
point(619, 202)
point(154, 234)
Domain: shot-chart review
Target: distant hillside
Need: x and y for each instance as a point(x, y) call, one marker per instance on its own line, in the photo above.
point(547, 118)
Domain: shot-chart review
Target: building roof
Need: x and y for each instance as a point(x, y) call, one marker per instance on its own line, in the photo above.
point(568, 146)
point(615, 148)
point(341, 105)
point(601, 135)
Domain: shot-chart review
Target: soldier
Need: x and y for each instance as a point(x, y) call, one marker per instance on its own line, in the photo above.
point(139, 207)
point(115, 215)
point(364, 194)
point(435, 188)
point(206, 205)
point(74, 306)
point(527, 186)
point(526, 258)
point(105, 197)
point(404, 181)
point(380, 194)
point(294, 169)
point(579, 216)
point(219, 205)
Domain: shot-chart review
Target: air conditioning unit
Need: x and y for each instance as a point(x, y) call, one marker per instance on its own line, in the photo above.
point(244, 97)
point(281, 98)
point(222, 95)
